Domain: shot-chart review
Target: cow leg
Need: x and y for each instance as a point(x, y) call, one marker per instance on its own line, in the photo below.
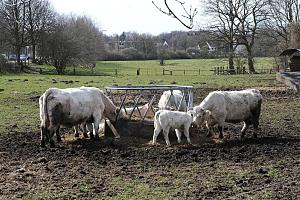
point(76, 130)
point(166, 136)
point(178, 134)
point(187, 134)
point(58, 138)
point(220, 128)
point(44, 136)
point(96, 129)
point(221, 123)
point(155, 134)
point(51, 140)
point(90, 130)
point(245, 127)
point(209, 131)
point(85, 131)
point(255, 127)
point(255, 117)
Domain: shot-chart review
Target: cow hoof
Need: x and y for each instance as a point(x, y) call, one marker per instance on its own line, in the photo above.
point(52, 145)
point(209, 135)
point(43, 144)
point(221, 137)
point(77, 135)
point(58, 139)
point(97, 138)
point(85, 135)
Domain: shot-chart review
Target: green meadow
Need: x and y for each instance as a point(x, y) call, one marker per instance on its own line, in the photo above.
point(19, 92)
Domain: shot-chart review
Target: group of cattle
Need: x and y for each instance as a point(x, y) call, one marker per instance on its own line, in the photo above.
point(88, 106)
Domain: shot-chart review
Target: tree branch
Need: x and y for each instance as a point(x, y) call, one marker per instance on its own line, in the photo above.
point(188, 15)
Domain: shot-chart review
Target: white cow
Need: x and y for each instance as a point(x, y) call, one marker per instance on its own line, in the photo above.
point(230, 106)
point(73, 106)
point(164, 120)
point(172, 102)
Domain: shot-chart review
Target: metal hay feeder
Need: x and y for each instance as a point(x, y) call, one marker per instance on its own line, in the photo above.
point(130, 98)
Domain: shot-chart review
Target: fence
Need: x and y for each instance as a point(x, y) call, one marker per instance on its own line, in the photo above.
point(163, 71)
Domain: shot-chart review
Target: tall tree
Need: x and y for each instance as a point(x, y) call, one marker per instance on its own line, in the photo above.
point(283, 13)
point(12, 21)
point(250, 16)
point(39, 18)
point(225, 23)
point(73, 42)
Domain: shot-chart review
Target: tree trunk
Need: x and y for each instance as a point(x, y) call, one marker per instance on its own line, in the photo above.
point(33, 53)
point(161, 62)
point(250, 60)
point(18, 53)
point(230, 59)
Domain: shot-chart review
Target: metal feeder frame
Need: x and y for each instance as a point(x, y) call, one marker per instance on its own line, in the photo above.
point(144, 91)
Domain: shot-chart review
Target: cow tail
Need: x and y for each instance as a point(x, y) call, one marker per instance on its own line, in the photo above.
point(45, 107)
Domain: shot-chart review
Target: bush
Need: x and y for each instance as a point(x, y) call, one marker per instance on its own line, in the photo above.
point(132, 54)
point(193, 52)
point(5, 66)
point(179, 55)
point(114, 56)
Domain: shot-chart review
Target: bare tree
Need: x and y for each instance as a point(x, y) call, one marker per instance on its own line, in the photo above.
point(12, 21)
point(283, 13)
point(72, 42)
point(250, 16)
point(225, 23)
point(39, 18)
point(189, 14)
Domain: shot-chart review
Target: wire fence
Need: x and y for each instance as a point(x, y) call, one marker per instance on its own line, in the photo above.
point(162, 71)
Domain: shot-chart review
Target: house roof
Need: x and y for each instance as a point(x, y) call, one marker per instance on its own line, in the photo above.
point(289, 52)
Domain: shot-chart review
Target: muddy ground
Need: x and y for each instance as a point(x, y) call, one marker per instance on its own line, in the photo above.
point(263, 168)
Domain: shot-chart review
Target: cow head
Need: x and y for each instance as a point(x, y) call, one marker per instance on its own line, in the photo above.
point(199, 116)
point(111, 114)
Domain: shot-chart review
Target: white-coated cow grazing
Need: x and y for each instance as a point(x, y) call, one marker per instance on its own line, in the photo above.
point(230, 106)
point(172, 102)
point(73, 106)
point(164, 120)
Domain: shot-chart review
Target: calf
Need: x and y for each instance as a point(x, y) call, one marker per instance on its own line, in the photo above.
point(165, 119)
point(230, 106)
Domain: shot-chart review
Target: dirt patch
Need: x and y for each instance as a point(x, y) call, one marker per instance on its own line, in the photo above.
point(266, 168)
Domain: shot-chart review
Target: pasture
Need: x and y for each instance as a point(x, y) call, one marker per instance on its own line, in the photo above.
point(131, 168)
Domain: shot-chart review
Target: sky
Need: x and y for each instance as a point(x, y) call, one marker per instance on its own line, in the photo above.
point(117, 16)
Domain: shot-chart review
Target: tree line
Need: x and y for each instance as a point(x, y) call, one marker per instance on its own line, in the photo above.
point(245, 22)
point(244, 28)
point(57, 39)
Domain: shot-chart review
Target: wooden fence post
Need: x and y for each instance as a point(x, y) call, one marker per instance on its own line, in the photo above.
point(184, 72)
point(163, 72)
point(199, 72)
point(116, 72)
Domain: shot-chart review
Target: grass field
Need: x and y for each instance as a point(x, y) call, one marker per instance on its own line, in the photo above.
point(19, 91)
point(264, 169)
point(152, 67)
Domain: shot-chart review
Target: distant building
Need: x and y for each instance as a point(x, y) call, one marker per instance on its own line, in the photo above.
point(291, 61)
